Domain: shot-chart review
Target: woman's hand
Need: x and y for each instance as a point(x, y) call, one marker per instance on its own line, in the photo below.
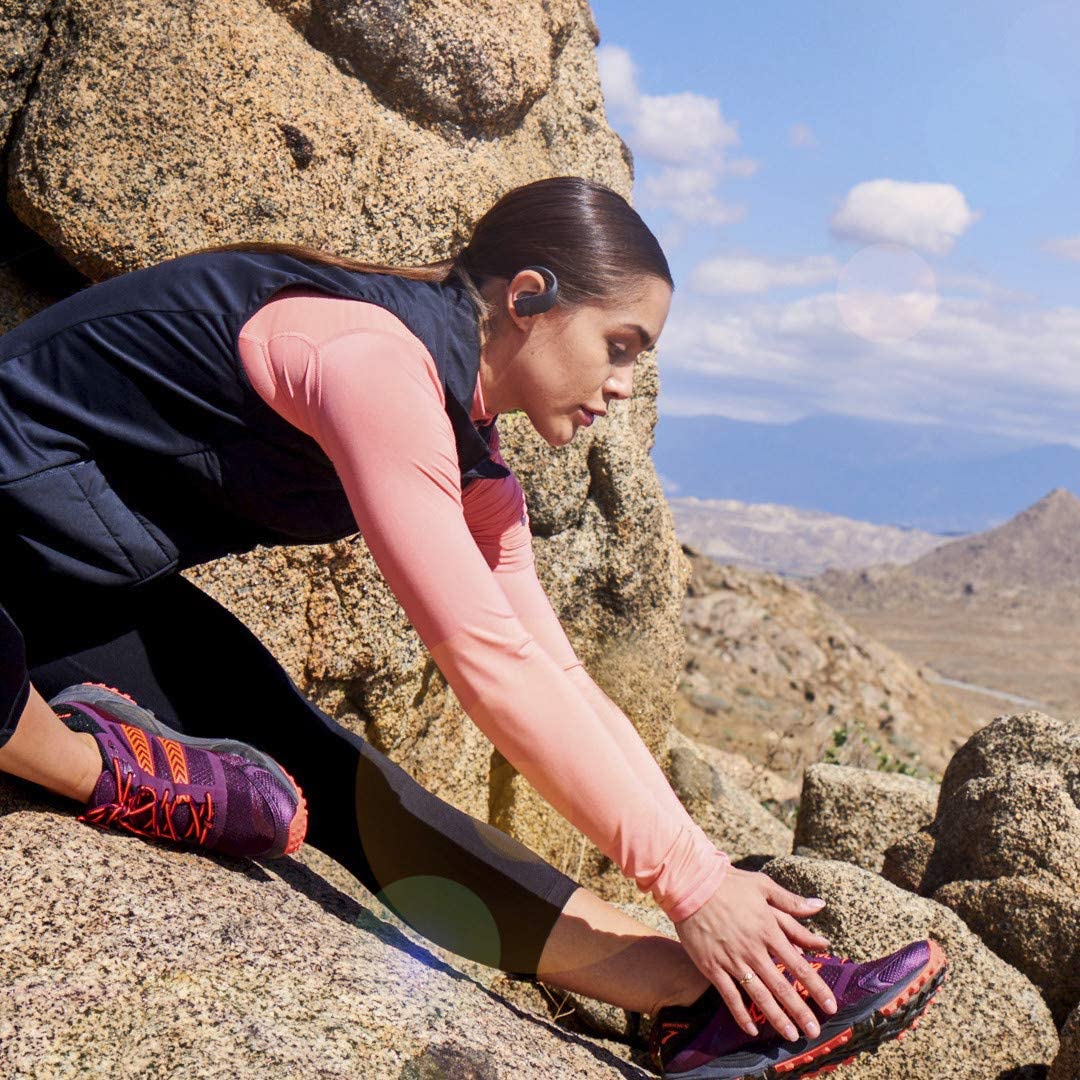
point(739, 929)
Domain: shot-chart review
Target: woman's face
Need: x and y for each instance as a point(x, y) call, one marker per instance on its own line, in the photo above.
point(564, 366)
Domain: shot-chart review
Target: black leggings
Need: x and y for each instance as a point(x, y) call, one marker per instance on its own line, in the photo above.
point(460, 882)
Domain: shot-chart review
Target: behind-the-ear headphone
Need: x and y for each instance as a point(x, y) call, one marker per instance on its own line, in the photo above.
point(533, 305)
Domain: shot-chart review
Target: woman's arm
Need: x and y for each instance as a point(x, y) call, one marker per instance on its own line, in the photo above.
point(373, 401)
point(496, 513)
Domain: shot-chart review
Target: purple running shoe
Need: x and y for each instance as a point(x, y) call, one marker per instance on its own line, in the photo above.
point(875, 1001)
point(218, 794)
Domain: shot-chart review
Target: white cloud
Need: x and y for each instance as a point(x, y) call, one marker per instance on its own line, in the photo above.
point(689, 194)
point(801, 135)
point(682, 129)
point(687, 133)
point(1064, 247)
point(976, 364)
point(753, 274)
point(925, 216)
point(975, 284)
point(618, 77)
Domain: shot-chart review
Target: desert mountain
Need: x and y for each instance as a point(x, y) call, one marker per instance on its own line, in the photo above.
point(1038, 549)
point(1037, 552)
point(790, 541)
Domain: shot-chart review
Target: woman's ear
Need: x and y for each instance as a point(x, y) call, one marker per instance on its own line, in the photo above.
point(528, 294)
point(534, 304)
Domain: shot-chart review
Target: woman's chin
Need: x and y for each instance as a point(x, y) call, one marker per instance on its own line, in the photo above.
point(568, 437)
point(559, 434)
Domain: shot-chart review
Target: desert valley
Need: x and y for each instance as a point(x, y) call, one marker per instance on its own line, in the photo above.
point(812, 636)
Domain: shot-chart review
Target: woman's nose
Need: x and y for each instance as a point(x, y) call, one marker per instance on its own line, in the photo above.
point(620, 384)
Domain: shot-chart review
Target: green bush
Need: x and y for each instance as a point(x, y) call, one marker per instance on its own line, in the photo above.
point(864, 749)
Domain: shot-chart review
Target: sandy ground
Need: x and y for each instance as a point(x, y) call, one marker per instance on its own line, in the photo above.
point(1033, 653)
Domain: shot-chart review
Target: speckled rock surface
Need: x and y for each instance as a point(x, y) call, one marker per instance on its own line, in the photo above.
point(481, 65)
point(1029, 738)
point(1030, 921)
point(23, 30)
point(28, 269)
point(855, 814)
point(133, 960)
point(989, 1020)
point(157, 128)
point(1067, 1064)
point(905, 862)
point(995, 826)
point(730, 815)
point(1006, 840)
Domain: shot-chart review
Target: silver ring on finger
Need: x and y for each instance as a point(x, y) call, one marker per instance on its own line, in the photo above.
point(747, 977)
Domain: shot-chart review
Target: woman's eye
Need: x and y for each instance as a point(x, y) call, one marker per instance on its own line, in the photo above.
point(617, 352)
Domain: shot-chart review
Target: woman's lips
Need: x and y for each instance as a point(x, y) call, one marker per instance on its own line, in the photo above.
point(587, 415)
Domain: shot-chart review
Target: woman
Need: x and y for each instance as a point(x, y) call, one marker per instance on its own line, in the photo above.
point(276, 395)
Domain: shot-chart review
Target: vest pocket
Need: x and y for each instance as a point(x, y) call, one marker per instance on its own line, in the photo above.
point(77, 527)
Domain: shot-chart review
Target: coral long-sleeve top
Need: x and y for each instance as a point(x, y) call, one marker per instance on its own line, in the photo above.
point(352, 376)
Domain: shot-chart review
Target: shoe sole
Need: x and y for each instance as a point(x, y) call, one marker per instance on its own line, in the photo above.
point(891, 1015)
point(101, 695)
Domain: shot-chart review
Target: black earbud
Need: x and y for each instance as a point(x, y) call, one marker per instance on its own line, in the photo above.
point(533, 305)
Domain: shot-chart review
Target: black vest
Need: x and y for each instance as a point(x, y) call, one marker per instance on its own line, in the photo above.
point(133, 445)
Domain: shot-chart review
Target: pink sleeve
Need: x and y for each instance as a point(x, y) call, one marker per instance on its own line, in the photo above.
point(498, 518)
point(371, 397)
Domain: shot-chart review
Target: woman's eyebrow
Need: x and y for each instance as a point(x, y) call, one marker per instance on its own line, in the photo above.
point(643, 337)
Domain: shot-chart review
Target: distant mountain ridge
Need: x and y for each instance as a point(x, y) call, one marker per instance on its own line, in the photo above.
point(789, 541)
point(930, 477)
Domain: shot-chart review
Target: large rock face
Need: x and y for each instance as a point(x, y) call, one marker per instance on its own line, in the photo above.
point(1003, 850)
point(156, 128)
point(23, 30)
point(468, 65)
point(379, 130)
point(126, 959)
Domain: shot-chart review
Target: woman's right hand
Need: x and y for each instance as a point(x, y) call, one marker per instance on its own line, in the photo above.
point(749, 920)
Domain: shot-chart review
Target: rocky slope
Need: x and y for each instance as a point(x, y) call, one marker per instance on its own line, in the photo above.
point(772, 672)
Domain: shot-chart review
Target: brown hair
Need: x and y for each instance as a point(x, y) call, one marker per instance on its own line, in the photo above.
point(588, 235)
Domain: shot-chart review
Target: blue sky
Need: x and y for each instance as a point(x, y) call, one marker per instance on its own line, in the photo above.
point(869, 210)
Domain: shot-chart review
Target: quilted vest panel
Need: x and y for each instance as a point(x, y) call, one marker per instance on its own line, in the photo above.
point(133, 445)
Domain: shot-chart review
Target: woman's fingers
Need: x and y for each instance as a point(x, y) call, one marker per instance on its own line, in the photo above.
point(773, 995)
point(740, 929)
point(794, 904)
point(806, 973)
point(801, 936)
point(734, 1001)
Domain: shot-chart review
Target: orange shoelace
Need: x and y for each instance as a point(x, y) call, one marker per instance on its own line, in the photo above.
point(147, 812)
point(755, 1011)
